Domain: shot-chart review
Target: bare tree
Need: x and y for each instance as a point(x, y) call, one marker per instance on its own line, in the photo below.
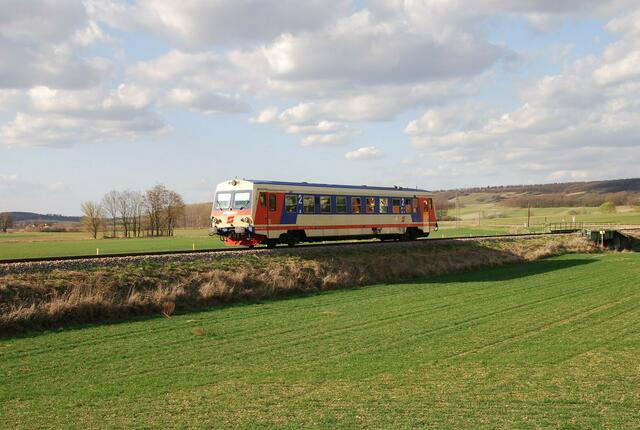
point(126, 209)
point(6, 221)
point(110, 206)
point(174, 209)
point(92, 217)
point(154, 199)
point(137, 210)
point(164, 208)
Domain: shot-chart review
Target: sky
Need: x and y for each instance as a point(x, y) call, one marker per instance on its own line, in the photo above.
point(98, 95)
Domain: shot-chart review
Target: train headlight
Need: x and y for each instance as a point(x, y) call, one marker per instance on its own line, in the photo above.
point(246, 219)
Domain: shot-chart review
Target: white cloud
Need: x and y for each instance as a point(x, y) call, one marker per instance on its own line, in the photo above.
point(361, 50)
point(364, 153)
point(330, 65)
point(202, 24)
point(575, 125)
point(39, 43)
point(266, 116)
point(314, 132)
point(210, 102)
point(56, 117)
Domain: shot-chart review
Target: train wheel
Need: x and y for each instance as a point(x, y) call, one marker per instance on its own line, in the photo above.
point(291, 238)
point(270, 244)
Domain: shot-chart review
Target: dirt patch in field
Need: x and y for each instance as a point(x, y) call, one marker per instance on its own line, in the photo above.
point(58, 298)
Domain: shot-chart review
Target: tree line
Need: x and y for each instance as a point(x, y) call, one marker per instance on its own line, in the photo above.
point(126, 213)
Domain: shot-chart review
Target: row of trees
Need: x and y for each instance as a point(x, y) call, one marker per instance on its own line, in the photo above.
point(133, 214)
point(572, 200)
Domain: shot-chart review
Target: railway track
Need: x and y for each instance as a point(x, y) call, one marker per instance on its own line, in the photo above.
point(7, 262)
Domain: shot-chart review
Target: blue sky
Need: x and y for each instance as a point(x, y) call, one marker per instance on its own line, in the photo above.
point(104, 94)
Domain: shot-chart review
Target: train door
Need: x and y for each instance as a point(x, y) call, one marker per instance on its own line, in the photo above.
point(262, 214)
point(273, 217)
point(425, 214)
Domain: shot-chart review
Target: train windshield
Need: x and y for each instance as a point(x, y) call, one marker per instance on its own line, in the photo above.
point(223, 201)
point(242, 200)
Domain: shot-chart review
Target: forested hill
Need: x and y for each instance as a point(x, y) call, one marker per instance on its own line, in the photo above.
point(592, 193)
point(610, 186)
point(35, 217)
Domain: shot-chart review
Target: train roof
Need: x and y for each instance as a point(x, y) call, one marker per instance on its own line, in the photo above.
point(311, 184)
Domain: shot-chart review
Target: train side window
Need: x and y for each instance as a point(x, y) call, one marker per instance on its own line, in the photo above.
point(407, 205)
point(341, 205)
point(325, 204)
point(272, 202)
point(384, 205)
point(415, 205)
point(290, 203)
point(395, 206)
point(308, 204)
point(263, 199)
point(356, 205)
point(371, 205)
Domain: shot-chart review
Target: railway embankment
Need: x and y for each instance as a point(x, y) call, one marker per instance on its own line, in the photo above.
point(51, 295)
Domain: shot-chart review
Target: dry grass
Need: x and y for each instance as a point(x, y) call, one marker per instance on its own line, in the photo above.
point(46, 300)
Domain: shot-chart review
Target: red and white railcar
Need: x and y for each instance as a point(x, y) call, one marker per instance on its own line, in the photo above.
point(250, 212)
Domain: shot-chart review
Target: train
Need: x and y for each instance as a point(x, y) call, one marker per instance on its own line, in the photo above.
point(251, 212)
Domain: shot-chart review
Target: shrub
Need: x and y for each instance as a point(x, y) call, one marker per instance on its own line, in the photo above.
point(608, 207)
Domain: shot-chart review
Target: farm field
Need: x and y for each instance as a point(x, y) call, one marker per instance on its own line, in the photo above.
point(472, 212)
point(511, 221)
point(552, 343)
point(32, 245)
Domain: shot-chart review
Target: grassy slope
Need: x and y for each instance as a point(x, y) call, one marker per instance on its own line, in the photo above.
point(547, 344)
point(473, 205)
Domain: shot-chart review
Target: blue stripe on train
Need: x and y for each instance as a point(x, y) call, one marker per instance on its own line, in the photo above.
point(291, 218)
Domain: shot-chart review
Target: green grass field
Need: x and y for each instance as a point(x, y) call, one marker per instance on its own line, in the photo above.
point(478, 214)
point(31, 245)
point(553, 343)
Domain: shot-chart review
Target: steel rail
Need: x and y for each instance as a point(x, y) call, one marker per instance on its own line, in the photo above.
point(264, 249)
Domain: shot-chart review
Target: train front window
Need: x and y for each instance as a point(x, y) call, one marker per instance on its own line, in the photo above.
point(223, 201)
point(242, 200)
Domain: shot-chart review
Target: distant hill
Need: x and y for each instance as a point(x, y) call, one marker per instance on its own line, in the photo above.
point(32, 217)
point(609, 186)
point(591, 193)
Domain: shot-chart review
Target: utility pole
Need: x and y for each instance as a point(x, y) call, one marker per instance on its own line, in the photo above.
point(528, 215)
